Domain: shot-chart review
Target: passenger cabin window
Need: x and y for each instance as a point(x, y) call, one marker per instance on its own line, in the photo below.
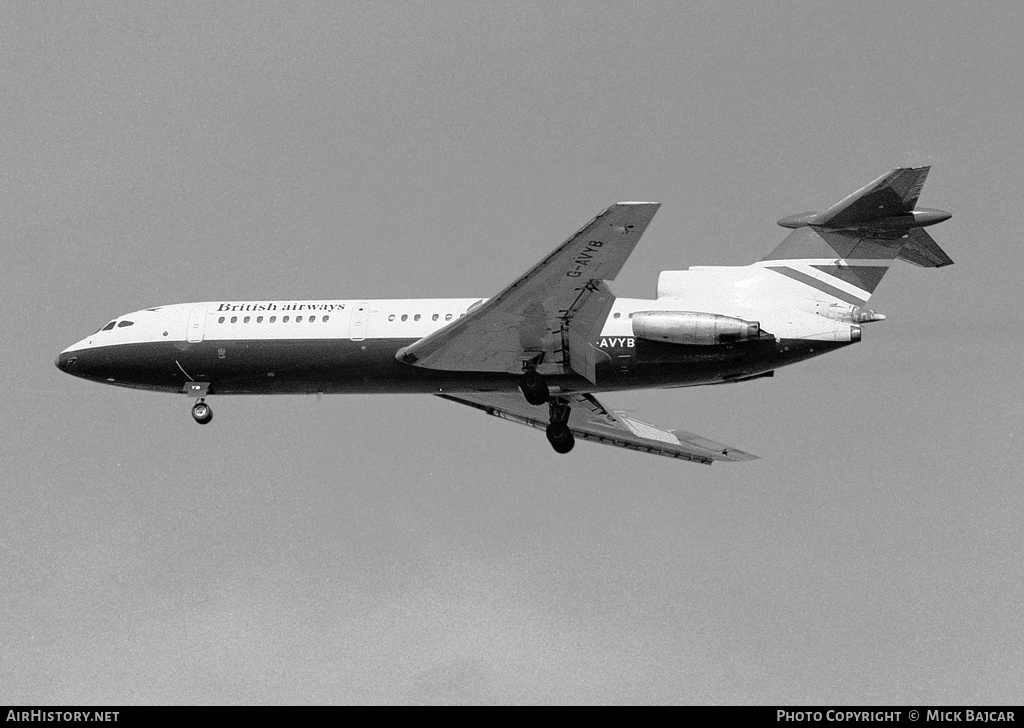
point(312, 319)
point(245, 320)
point(416, 317)
point(325, 319)
point(259, 319)
point(434, 317)
point(273, 319)
point(284, 319)
point(405, 317)
point(298, 319)
point(447, 317)
point(220, 320)
point(109, 326)
point(125, 323)
point(391, 317)
point(234, 319)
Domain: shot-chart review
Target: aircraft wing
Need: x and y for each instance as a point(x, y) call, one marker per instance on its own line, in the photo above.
point(590, 420)
point(548, 311)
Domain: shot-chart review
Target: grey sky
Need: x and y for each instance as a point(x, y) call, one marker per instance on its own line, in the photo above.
point(403, 549)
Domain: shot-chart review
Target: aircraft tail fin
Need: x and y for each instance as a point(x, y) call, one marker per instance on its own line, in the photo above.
point(846, 249)
point(922, 250)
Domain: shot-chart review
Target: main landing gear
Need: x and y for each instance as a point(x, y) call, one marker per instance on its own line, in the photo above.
point(558, 432)
point(533, 387)
point(536, 391)
point(201, 412)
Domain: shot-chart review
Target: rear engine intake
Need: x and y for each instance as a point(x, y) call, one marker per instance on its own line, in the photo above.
point(688, 327)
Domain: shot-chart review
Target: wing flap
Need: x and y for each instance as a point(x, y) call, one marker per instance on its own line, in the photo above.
point(590, 420)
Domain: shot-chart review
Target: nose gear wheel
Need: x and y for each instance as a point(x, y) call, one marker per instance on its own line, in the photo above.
point(202, 413)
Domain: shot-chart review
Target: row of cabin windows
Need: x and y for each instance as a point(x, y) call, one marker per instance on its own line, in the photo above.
point(311, 319)
point(416, 317)
point(273, 319)
point(447, 316)
point(298, 319)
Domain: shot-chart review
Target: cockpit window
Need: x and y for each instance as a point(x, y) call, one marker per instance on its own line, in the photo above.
point(125, 323)
point(109, 326)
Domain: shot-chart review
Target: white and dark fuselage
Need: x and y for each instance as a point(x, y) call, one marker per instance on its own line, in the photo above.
point(339, 346)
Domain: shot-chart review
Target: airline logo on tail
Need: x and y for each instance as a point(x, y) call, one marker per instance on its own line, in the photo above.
point(845, 250)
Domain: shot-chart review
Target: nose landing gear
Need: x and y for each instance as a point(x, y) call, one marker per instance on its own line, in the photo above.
point(558, 432)
point(201, 412)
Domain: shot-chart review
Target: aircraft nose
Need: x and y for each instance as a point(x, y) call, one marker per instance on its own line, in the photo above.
point(65, 361)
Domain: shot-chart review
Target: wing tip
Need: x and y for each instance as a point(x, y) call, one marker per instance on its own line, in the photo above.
point(734, 456)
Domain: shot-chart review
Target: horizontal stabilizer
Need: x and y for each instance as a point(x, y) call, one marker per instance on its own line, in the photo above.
point(894, 193)
point(921, 249)
point(843, 253)
point(882, 209)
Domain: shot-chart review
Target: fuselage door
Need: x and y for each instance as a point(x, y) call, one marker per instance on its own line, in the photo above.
point(196, 324)
point(357, 325)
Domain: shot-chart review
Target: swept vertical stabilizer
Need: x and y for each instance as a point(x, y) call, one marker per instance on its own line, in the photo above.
point(846, 249)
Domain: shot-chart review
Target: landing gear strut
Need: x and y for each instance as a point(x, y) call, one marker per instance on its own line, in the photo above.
point(558, 432)
point(201, 412)
point(534, 388)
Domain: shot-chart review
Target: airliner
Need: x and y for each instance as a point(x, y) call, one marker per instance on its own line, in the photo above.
point(539, 351)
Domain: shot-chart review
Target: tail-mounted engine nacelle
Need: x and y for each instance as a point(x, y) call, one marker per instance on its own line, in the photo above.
point(688, 327)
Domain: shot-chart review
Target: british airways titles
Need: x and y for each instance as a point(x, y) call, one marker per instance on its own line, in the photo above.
point(326, 307)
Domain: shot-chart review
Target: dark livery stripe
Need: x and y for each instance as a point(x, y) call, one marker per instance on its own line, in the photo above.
point(864, 277)
point(819, 285)
point(337, 366)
